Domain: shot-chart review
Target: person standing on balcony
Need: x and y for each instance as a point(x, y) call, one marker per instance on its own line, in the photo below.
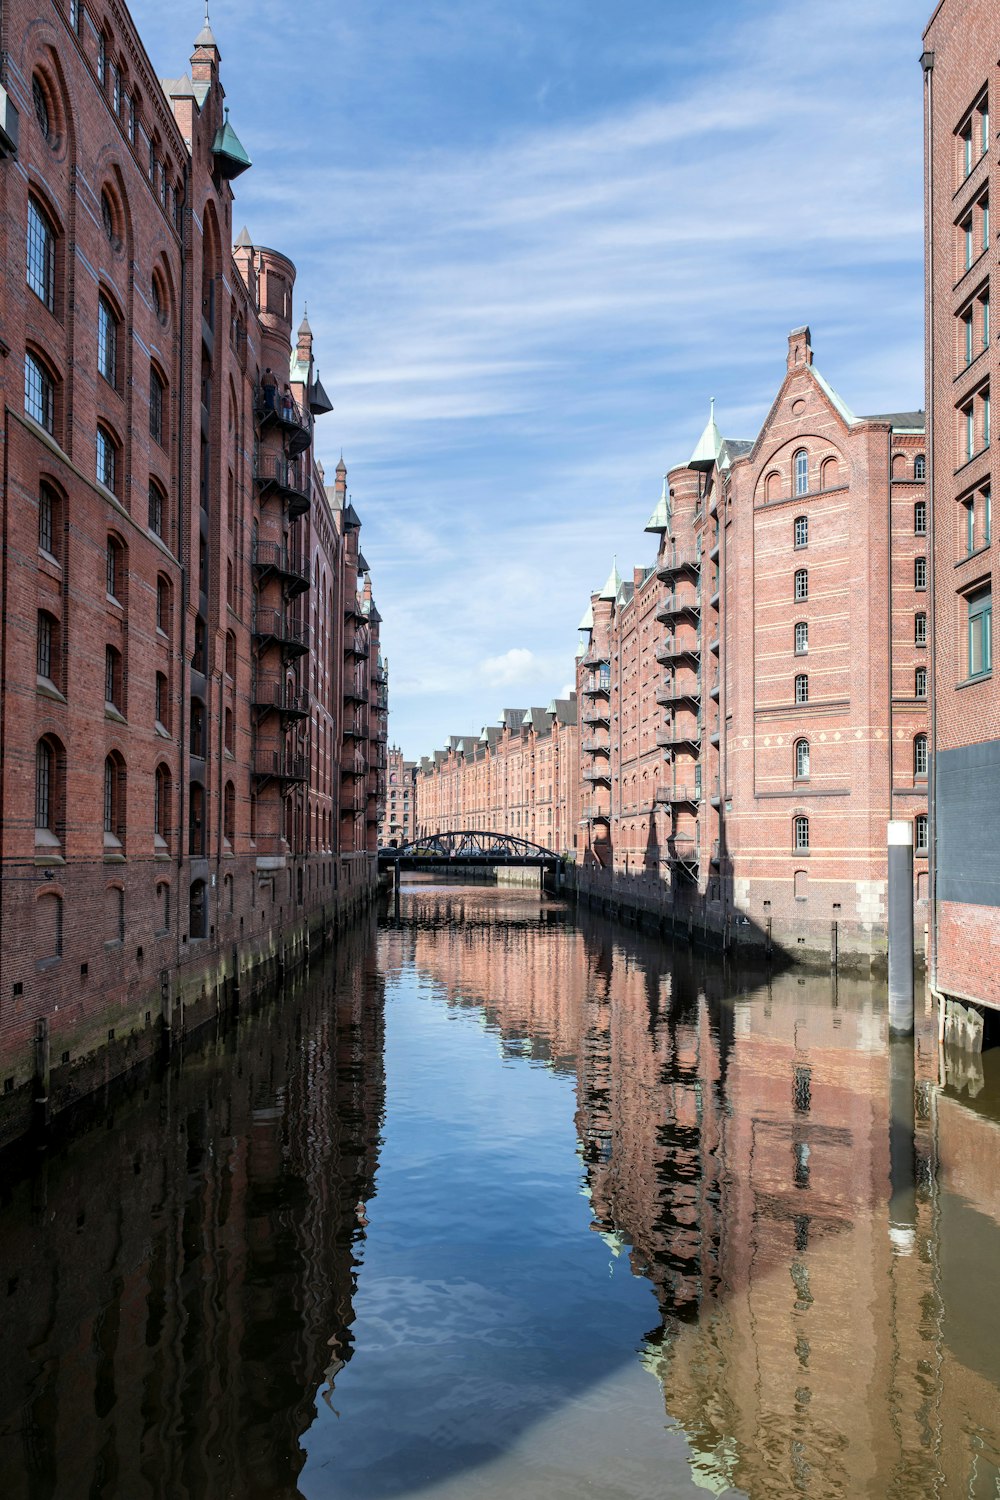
point(270, 388)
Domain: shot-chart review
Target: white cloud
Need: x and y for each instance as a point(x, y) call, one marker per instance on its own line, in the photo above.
point(514, 666)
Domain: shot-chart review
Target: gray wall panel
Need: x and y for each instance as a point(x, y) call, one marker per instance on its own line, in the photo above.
point(968, 824)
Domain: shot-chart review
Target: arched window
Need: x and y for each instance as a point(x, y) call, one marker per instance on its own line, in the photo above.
point(920, 467)
point(49, 790)
point(230, 654)
point(229, 813)
point(920, 755)
point(39, 392)
point(196, 818)
point(48, 927)
point(157, 407)
point(114, 802)
point(157, 509)
point(829, 473)
point(772, 485)
point(110, 220)
point(920, 683)
point(47, 647)
point(161, 808)
point(801, 759)
point(802, 688)
point(197, 910)
point(113, 685)
point(39, 98)
point(920, 572)
point(162, 703)
point(229, 738)
point(801, 637)
point(801, 833)
point(107, 459)
point(801, 531)
point(920, 629)
point(800, 464)
point(41, 264)
point(114, 566)
point(920, 518)
point(920, 834)
point(163, 604)
point(801, 590)
point(49, 519)
point(114, 914)
point(107, 343)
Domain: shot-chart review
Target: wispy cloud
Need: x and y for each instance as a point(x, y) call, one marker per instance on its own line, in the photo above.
point(527, 271)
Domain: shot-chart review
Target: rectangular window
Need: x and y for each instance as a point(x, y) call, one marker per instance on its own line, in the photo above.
point(986, 420)
point(41, 256)
point(968, 253)
point(980, 632)
point(984, 305)
point(74, 14)
point(969, 424)
point(968, 337)
point(102, 57)
point(109, 675)
point(965, 149)
point(969, 507)
point(43, 663)
point(984, 206)
point(987, 516)
point(984, 126)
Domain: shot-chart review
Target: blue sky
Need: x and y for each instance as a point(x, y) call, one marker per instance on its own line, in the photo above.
point(535, 236)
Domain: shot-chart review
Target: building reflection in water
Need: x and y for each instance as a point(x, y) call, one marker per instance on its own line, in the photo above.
point(820, 1221)
point(178, 1280)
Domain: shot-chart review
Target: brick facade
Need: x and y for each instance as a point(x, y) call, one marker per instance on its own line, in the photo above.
point(184, 609)
point(754, 706)
point(520, 777)
point(399, 819)
point(961, 80)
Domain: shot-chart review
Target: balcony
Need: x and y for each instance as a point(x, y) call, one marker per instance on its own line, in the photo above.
point(289, 478)
point(679, 560)
point(352, 797)
point(597, 715)
point(356, 643)
point(271, 692)
point(356, 726)
point(354, 766)
point(272, 557)
point(687, 794)
point(293, 421)
point(675, 605)
point(355, 694)
point(597, 775)
point(596, 747)
point(280, 765)
point(275, 626)
point(597, 684)
point(676, 735)
point(590, 813)
point(674, 649)
point(687, 690)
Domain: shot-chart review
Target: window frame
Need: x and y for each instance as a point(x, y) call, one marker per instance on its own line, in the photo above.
point(800, 833)
point(41, 408)
point(801, 687)
point(800, 472)
point(802, 755)
point(801, 638)
point(104, 442)
point(800, 585)
point(41, 239)
point(979, 633)
point(800, 532)
point(108, 328)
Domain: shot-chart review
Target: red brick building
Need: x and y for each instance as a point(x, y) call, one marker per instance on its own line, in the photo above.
point(520, 777)
point(399, 820)
point(961, 75)
point(754, 707)
point(185, 615)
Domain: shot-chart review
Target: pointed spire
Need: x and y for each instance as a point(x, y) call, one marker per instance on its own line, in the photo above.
point(244, 242)
point(659, 521)
point(587, 623)
point(709, 446)
point(206, 37)
point(614, 583)
point(231, 159)
point(304, 325)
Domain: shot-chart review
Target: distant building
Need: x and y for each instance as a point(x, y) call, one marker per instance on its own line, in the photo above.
point(519, 776)
point(399, 819)
point(754, 704)
point(962, 44)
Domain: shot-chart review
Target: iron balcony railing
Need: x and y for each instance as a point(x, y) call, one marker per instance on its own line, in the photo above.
point(274, 692)
point(687, 602)
point(356, 643)
point(674, 648)
point(678, 560)
point(272, 557)
point(289, 476)
point(275, 624)
point(596, 747)
point(274, 407)
point(679, 690)
point(597, 683)
point(280, 764)
point(597, 774)
point(690, 792)
point(678, 734)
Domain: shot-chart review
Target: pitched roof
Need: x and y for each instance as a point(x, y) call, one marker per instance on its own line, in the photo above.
point(911, 421)
point(614, 583)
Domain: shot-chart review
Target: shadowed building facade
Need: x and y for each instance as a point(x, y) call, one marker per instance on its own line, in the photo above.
point(185, 614)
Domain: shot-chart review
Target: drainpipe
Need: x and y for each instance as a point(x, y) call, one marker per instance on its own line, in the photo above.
point(927, 62)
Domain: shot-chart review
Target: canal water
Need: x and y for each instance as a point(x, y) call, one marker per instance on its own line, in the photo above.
point(507, 1201)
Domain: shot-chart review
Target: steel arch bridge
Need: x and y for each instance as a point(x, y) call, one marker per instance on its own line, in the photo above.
point(468, 847)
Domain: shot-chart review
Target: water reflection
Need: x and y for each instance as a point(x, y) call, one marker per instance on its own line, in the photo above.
point(598, 1162)
point(179, 1277)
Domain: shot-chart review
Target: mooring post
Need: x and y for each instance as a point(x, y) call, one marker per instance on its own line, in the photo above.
point(900, 908)
point(902, 1148)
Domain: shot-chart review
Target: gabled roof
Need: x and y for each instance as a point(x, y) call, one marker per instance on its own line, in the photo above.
point(513, 718)
point(831, 394)
point(538, 720)
point(908, 421)
point(178, 88)
point(732, 449)
point(565, 710)
point(625, 593)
